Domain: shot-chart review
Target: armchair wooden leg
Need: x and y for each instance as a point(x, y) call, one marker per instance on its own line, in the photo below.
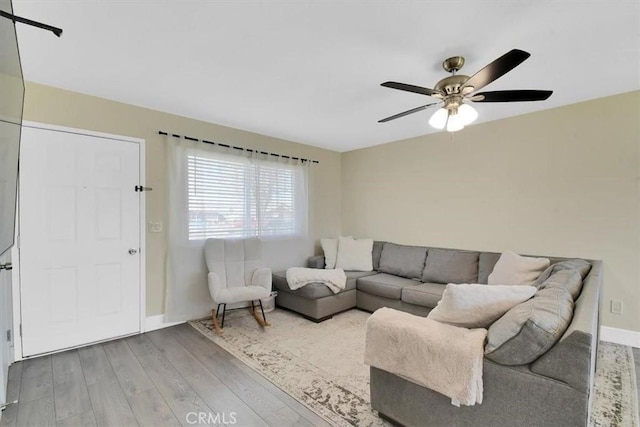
point(214, 315)
point(261, 321)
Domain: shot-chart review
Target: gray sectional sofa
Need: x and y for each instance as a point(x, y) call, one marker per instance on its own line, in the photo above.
point(552, 390)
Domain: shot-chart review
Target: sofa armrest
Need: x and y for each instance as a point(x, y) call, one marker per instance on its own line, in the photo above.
point(572, 359)
point(316, 261)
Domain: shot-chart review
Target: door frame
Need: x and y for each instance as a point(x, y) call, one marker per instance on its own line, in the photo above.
point(16, 285)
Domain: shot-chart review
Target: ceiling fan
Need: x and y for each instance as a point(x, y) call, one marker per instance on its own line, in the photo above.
point(456, 91)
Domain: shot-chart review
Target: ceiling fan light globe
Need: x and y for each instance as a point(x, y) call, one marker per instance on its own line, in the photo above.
point(439, 119)
point(467, 114)
point(454, 123)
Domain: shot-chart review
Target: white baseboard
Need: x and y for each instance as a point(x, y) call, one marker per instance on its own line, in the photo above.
point(620, 336)
point(157, 322)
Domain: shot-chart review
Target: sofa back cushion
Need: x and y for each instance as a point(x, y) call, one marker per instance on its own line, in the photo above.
point(450, 266)
point(581, 266)
point(569, 280)
point(401, 260)
point(377, 251)
point(529, 329)
point(486, 262)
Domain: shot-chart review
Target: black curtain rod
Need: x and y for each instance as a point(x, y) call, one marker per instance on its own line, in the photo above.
point(55, 30)
point(189, 138)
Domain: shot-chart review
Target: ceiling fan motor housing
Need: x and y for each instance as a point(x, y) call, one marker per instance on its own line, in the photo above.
point(451, 85)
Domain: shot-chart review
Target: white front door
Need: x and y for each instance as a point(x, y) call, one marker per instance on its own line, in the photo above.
point(79, 239)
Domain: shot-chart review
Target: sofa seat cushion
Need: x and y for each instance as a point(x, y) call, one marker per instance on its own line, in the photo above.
point(451, 266)
point(403, 261)
point(423, 294)
point(384, 285)
point(315, 290)
point(353, 276)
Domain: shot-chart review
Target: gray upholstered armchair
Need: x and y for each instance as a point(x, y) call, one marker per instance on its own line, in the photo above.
point(236, 275)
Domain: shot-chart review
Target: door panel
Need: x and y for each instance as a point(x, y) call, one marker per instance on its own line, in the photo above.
point(5, 325)
point(79, 216)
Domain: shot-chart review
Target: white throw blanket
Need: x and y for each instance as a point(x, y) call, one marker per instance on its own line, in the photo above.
point(334, 279)
point(444, 358)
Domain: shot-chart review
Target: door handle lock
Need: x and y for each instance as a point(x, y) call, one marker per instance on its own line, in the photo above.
point(8, 266)
point(133, 251)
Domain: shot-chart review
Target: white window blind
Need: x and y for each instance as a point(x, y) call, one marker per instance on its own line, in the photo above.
point(230, 197)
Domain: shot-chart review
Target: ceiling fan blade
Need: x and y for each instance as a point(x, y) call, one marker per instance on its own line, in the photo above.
point(406, 113)
point(512, 96)
point(497, 68)
point(411, 88)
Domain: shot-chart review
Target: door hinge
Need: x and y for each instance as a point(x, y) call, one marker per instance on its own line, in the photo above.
point(8, 335)
point(140, 188)
point(20, 330)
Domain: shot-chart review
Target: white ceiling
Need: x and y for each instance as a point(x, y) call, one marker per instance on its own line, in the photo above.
point(310, 71)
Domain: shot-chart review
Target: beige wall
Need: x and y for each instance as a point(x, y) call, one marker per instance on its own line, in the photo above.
point(560, 182)
point(563, 182)
point(46, 104)
point(11, 87)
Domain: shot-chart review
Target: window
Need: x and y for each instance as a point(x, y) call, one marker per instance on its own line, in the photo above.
point(238, 197)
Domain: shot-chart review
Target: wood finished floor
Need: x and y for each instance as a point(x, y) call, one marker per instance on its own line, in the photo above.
point(153, 379)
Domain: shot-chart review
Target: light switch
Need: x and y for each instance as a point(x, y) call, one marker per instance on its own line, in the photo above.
point(616, 306)
point(155, 226)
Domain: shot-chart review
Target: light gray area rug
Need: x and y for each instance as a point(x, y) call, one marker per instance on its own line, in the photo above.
point(321, 365)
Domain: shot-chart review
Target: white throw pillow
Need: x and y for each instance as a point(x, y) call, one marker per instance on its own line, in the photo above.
point(478, 306)
point(513, 269)
point(355, 255)
point(330, 249)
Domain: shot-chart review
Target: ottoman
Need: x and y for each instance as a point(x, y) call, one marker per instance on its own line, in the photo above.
point(315, 301)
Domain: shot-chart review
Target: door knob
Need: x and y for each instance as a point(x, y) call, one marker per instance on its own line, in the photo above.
point(133, 251)
point(7, 266)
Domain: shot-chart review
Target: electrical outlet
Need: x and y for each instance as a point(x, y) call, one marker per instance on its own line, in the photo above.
point(616, 306)
point(155, 226)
